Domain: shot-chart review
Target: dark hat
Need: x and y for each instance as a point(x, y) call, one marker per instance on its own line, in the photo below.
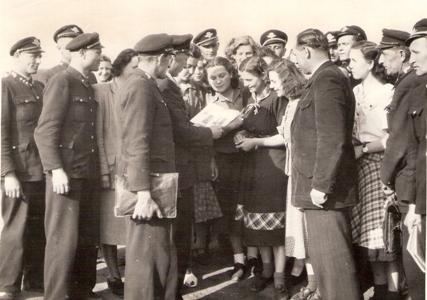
point(352, 30)
point(155, 44)
point(29, 44)
point(273, 36)
point(84, 41)
point(392, 38)
point(67, 31)
point(206, 37)
point(195, 51)
point(332, 37)
point(419, 30)
point(181, 43)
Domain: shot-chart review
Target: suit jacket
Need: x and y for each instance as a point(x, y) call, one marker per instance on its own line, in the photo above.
point(185, 135)
point(66, 135)
point(321, 141)
point(21, 105)
point(106, 129)
point(399, 161)
point(144, 131)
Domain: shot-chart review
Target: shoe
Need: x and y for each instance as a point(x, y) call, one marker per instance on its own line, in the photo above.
point(281, 292)
point(260, 283)
point(314, 296)
point(117, 287)
point(238, 272)
point(190, 279)
point(303, 294)
point(254, 266)
point(7, 296)
point(92, 296)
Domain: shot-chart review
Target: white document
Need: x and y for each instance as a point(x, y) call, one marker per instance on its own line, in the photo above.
point(214, 114)
point(414, 248)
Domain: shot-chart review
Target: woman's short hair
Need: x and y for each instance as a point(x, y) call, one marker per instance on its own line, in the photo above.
point(292, 80)
point(235, 43)
point(254, 65)
point(222, 61)
point(105, 58)
point(122, 61)
point(371, 53)
point(314, 39)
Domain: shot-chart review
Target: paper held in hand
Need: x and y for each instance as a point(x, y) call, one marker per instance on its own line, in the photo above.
point(214, 114)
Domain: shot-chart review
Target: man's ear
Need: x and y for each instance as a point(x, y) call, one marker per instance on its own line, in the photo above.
point(402, 55)
point(307, 52)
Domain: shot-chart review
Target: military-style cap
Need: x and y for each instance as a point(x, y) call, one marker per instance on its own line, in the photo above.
point(181, 43)
point(392, 38)
point(206, 37)
point(84, 41)
point(155, 44)
point(419, 30)
point(332, 37)
point(30, 44)
point(273, 36)
point(352, 30)
point(67, 31)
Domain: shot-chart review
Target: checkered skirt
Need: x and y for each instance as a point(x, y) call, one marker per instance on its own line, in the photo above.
point(368, 214)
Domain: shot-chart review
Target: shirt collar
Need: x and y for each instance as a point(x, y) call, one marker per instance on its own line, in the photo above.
point(265, 93)
point(83, 79)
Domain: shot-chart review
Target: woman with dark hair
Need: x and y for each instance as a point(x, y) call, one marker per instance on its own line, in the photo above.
point(223, 78)
point(370, 135)
point(263, 192)
point(240, 48)
point(112, 229)
point(104, 70)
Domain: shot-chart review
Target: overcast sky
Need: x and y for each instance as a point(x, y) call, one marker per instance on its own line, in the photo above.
point(121, 23)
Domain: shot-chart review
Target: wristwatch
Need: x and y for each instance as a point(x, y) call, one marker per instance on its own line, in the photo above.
point(365, 148)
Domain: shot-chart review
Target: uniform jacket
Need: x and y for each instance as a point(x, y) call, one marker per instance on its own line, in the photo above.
point(185, 135)
point(144, 130)
point(399, 161)
point(106, 130)
point(21, 105)
point(66, 134)
point(44, 77)
point(321, 133)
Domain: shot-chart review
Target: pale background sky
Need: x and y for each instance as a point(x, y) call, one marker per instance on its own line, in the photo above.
point(121, 23)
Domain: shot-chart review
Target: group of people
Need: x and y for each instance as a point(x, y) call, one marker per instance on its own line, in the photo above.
point(323, 139)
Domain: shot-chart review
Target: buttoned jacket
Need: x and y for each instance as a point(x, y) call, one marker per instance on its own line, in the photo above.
point(321, 132)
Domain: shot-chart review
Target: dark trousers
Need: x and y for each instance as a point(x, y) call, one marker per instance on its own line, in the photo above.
point(72, 235)
point(415, 278)
point(330, 252)
point(182, 231)
point(22, 241)
point(151, 270)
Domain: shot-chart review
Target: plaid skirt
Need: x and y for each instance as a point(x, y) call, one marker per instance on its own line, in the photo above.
point(368, 214)
point(206, 206)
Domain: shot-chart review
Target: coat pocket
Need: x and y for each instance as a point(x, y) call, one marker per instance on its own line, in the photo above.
point(26, 108)
point(20, 156)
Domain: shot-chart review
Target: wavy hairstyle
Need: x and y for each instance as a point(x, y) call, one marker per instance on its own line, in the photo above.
point(292, 80)
point(254, 65)
point(235, 43)
point(122, 61)
point(222, 61)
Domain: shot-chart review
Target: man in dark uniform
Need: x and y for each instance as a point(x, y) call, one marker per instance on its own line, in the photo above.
point(66, 138)
point(22, 183)
point(146, 146)
point(275, 40)
point(186, 136)
point(62, 37)
point(207, 40)
point(324, 177)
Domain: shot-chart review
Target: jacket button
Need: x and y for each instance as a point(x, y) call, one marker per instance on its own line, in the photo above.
point(81, 100)
point(93, 150)
point(13, 147)
point(91, 137)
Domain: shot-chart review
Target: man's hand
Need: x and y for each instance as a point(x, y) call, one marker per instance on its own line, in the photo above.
point(146, 208)
point(216, 131)
point(105, 180)
point(214, 169)
point(247, 144)
point(318, 198)
point(60, 181)
point(12, 186)
point(412, 219)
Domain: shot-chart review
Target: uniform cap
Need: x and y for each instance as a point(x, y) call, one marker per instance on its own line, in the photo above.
point(84, 41)
point(206, 37)
point(273, 36)
point(419, 30)
point(67, 31)
point(393, 38)
point(155, 44)
point(352, 30)
point(181, 43)
point(332, 37)
point(30, 44)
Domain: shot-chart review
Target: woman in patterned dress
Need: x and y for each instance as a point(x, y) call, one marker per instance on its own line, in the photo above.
point(370, 135)
point(263, 191)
